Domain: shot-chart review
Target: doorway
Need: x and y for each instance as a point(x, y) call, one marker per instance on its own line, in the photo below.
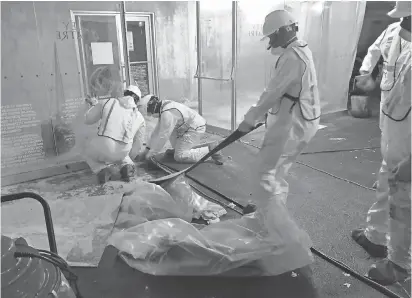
point(101, 48)
point(141, 53)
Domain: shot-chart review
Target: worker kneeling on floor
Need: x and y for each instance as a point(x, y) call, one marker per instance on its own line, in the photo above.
point(120, 135)
point(179, 124)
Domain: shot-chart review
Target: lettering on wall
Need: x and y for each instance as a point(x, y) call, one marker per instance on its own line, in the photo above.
point(256, 30)
point(14, 118)
point(63, 130)
point(20, 145)
point(70, 108)
point(68, 32)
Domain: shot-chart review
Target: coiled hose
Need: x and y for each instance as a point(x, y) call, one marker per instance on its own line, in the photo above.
point(57, 261)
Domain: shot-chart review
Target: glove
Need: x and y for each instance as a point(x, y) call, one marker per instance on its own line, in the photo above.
point(245, 127)
point(402, 171)
point(142, 156)
point(365, 82)
point(92, 101)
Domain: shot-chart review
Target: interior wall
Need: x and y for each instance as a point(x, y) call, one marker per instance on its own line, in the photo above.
point(175, 27)
point(41, 91)
point(332, 31)
point(376, 20)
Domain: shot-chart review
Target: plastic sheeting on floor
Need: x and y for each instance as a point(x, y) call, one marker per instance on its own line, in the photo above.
point(157, 237)
point(84, 214)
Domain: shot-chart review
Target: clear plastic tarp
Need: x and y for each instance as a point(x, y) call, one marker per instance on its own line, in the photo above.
point(155, 236)
point(83, 223)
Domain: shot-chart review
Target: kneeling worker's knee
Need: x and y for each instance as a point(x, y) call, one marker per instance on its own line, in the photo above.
point(180, 156)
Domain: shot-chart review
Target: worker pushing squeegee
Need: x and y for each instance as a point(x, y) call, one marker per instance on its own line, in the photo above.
point(289, 105)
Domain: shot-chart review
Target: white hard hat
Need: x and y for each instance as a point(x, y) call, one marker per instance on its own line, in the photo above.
point(275, 20)
point(135, 90)
point(401, 10)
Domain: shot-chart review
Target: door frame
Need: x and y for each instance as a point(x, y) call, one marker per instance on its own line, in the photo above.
point(150, 46)
point(120, 43)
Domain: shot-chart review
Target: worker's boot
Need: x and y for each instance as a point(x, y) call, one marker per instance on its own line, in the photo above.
point(127, 172)
point(104, 175)
point(375, 250)
point(249, 208)
point(170, 153)
point(217, 157)
point(387, 273)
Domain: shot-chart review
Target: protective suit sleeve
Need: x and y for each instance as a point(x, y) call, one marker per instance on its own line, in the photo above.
point(165, 126)
point(138, 141)
point(373, 55)
point(406, 86)
point(94, 113)
point(289, 71)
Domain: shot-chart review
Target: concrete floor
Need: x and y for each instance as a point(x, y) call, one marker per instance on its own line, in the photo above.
point(324, 204)
point(330, 194)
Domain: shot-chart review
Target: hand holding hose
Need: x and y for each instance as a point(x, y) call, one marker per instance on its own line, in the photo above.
point(245, 127)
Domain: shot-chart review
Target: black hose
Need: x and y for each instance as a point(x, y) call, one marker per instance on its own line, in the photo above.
point(353, 273)
point(57, 261)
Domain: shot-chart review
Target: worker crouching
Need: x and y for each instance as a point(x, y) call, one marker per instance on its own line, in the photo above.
point(120, 135)
point(179, 124)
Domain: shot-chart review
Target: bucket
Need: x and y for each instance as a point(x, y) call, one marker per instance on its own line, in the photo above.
point(358, 105)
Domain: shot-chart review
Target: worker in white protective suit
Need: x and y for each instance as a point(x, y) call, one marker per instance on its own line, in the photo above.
point(120, 136)
point(389, 219)
point(374, 235)
point(179, 124)
point(379, 49)
point(290, 102)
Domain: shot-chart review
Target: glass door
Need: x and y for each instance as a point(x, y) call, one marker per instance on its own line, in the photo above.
point(215, 62)
point(100, 55)
point(139, 36)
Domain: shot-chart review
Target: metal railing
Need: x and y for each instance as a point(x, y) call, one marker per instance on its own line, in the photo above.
point(47, 214)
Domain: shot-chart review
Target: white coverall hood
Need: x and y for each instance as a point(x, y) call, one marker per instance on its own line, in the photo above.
point(277, 51)
point(127, 102)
